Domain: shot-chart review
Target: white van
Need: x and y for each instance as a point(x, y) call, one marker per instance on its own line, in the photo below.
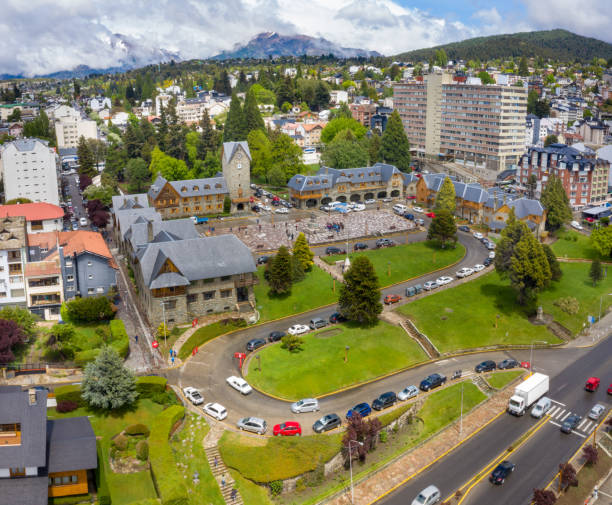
point(400, 209)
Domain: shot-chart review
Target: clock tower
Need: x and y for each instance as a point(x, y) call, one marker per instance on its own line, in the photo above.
point(236, 161)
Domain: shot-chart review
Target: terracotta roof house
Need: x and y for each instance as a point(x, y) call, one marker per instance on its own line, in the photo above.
point(40, 216)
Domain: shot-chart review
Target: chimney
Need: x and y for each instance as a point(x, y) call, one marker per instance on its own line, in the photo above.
point(32, 396)
point(150, 231)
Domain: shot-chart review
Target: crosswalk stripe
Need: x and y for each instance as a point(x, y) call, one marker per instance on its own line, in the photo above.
point(558, 403)
point(588, 428)
point(582, 423)
point(556, 424)
point(579, 434)
point(553, 411)
point(560, 413)
point(566, 415)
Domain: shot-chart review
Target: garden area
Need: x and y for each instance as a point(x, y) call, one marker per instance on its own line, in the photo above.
point(206, 333)
point(489, 304)
point(374, 351)
point(406, 261)
point(500, 380)
point(574, 245)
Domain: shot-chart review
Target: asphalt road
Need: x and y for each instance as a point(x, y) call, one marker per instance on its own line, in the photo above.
point(538, 459)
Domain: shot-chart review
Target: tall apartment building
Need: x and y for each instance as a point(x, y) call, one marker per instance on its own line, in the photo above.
point(479, 126)
point(29, 170)
point(12, 261)
point(69, 129)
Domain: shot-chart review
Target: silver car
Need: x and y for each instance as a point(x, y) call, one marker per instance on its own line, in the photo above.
point(597, 411)
point(305, 405)
point(406, 393)
point(253, 424)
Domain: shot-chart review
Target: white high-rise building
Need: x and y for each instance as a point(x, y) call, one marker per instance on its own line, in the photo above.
point(29, 170)
point(69, 129)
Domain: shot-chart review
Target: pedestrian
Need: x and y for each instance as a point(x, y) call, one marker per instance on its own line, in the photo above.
point(136, 338)
point(223, 481)
point(234, 492)
point(216, 462)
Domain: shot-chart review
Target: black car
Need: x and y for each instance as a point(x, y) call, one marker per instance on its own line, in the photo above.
point(255, 343)
point(464, 228)
point(360, 245)
point(570, 423)
point(256, 208)
point(507, 363)
point(433, 381)
point(336, 317)
point(486, 366)
point(333, 250)
point(487, 262)
point(385, 242)
point(326, 423)
point(385, 400)
point(275, 336)
point(502, 471)
point(262, 260)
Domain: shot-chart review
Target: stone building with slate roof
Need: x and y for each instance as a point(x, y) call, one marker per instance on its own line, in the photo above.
point(198, 197)
point(41, 458)
point(344, 185)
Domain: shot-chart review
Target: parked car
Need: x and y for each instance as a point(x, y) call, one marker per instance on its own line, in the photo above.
point(254, 344)
point(429, 495)
point(419, 222)
point(385, 242)
point(252, 424)
point(363, 409)
point(543, 405)
point(464, 272)
point(485, 366)
point(502, 471)
point(334, 250)
point(429, 285)
point(487, 262)
point(414, 290)
point(478, 267)
point(478, 235)
point(317, 322)
point(83, 221)
point(389, 299)
point(597, 411)
point(281, 210)
point(287, 429)
point(492, 255)
point(359, 246)
point(326, 423)
point(432, 381)
point(262, 260)
point(193, 395)
point(507, 363)
point(407, 393)
point(239, 384)
point(215, 410)
point(610, 389)
point(305, 405)
point(417, 209)
point(464, 228)
point(431, 215)
point(75, 226)
point(358, 207)
point(576, 225)
point(336, 317)
point(369, 201)
point(298, 329)
point(570, 423)
point(592, 384)
point(441, 281)
point(409, 216)
point(275, 336)
point(491, 246)
point(384, 401)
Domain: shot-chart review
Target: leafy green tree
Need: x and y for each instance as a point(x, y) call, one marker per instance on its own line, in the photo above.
point(280, 272)
point(175, 142)
point(90, 309)
point(211, 165)
point(293, 343)
point(443, 228)
point(107, 383)
point(285, 92)
point(523, 69)
point(116, 159)
point(339, 124)
point(261, 153)
point(170, 168)
point(445, 199)
point(14, 116)
point(297, 270)
point(137, 174)
point(554, 199)
point(441, 58)
point(550, 139)
point(345, 151)
point(359, 295)
point(511, 234)
point(286, 155)
point(209, 138)
point(555, 269)
point(595, 272)
point(342, 111)
point(102, 193)
point(529, 269)
point(22, 317)
point(302, 252)
point(373, 146)
point(60, 341)
point(395, 148)
point(235, 126)
point(485, 77)
point(601, 238)
point(133, 140)
point(276, 177)
point(39, 128)
point(86, 163)
point(263, 95)
point(227, 205)
point(252, 115)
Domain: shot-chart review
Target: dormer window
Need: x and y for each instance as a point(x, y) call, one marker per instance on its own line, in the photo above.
point(218, 185)
point(195, 188)
point(206, 186)
point(184, 189)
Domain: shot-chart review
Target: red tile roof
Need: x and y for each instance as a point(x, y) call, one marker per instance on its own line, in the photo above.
point(38, 268)
point(38, 211)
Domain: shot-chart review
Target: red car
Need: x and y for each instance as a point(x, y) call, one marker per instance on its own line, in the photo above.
point(592, 384)
point(389, 299)
point(431, 214)
point(288, 429)
point(610, 389)
point(526, 365)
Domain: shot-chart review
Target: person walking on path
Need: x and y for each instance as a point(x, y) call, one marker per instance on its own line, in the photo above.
point(234, 493)
point(223, 481)
point(215, 462)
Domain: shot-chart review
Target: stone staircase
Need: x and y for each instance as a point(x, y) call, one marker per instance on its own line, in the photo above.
point(482, 384)
point(218, 468)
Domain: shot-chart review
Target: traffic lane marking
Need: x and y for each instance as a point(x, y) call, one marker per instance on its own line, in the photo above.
point(573, 431)
point(558, 403)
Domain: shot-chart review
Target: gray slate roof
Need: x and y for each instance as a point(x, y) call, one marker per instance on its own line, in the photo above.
point(190, 187)
point(565, 154)
point(71, 445)
point(524, 207)
point(198, 258)
point(177, 229)
point(125, 202)
point(26, 491)
point(328, 177)
point(15, 408)
point(229, 148)
point(126, 218)
point(27, 144)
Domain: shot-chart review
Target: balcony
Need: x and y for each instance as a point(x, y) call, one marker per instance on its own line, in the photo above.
point(45, 299)
point(244, 282)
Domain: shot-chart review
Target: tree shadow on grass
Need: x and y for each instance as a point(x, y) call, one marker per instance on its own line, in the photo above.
point(504, 300)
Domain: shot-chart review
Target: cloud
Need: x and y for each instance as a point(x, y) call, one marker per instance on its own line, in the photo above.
point(489, 16)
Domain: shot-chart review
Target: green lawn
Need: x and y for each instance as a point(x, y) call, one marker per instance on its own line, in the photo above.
point(571, 244)
point(206, 333)
point(499, 380)
point(187, 446)
point(314, 291)
point(276, 458)
point(250, 492)
point(465, 317)
point(320, 368)
point(402, 262)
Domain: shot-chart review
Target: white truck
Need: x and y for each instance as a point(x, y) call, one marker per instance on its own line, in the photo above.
point(527, 393)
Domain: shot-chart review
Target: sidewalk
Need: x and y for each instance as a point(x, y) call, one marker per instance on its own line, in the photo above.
point(594, 334)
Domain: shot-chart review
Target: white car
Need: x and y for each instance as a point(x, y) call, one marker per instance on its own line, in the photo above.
point(267, 208)
point(478, 235)
point(282, 210)
point(239, 384)
point(253, 424)
point(358, 207)
point(298, 329)
point(83, 221)
point(441, 281)
point(429, 285)
point(464, 272)
point(417, 209)
point(492, 255)
point(305, 405)
point(407, 393)
point(215, 410)
point(576, 225)
point(369, 201)
point(193, 395)
point(478, 267)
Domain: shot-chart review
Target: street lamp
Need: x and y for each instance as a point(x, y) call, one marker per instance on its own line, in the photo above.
point(531, 353)
point(600, 301)
point(163, 304)
point(351, 467)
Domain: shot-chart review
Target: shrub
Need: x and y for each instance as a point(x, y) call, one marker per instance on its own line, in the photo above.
point(66, 406)
point(166, 398)
point(149, 385)
point(137, 429)
point(120, 339)
point(276, 487)
point(81, 358)
point(590, 454)
point(70, 393)
point(120, 442)
point(169, 483)
point(70, 500)
point(94, 308)
point(383, 435)
point(292, 343)
point(568, 304)
point(142, 450)
point(101, 483)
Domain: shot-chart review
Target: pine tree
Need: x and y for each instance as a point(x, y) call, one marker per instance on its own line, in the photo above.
point(523, 69)
point(137, 174)
point(443, 228)
point(374, 145)
point(446, 196)
point(86, 163)
point(555, 269)
point(554, 199)
point(359, 295)
point(286, 92)
point(395, 148)
point(209, 138)
point(235, 125)
point(511, 234)
point(529, 269)
point(302, 252)
point(280, 272)
point(175, 143)
point(107, 383)
point(596, 273)
point(162, 130)
point(252, 115)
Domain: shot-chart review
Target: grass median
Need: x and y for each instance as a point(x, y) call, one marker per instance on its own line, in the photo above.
point(571, 244)
point(321, 368)
point(402, 262)
point(500, 380)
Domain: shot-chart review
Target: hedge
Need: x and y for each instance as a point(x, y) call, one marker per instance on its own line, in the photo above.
point(168, 481)
point(137, 429)
point(104, 497)
point(70, 393)
point(150, 385)
point(70, 500)
point(121, 341)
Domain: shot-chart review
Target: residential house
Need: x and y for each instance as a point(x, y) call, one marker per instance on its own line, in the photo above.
point(44, 288)
point(363, 112)
point(69, 129)
point(41, 458)
point(12, 261)
point(40, 216)
point(592, 132)
point(337, 96)
point(27, 109)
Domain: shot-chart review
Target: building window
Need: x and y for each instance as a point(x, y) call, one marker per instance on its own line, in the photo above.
point(226, 277)
point(90, 291)
point(170, 304)
point(226, 293)
point(208, 281)
point(90, 263)
point(70, 288)
point(192, 298)
point(99, 289)
point(36, 225)
point(68, 263)
point(208, 295)
point(70, 278)
point(90, 276)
